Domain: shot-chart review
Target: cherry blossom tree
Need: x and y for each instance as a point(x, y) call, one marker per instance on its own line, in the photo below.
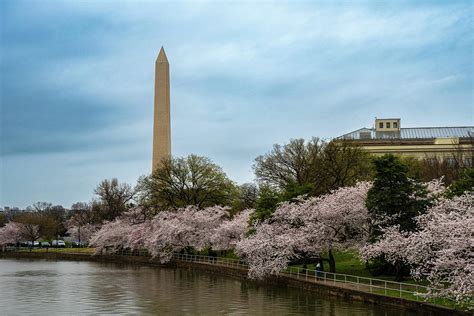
point(138, 235)
point(440, 250)
point(10, 234)
point(167, 232)
point(435, 187)
point(392, 246)
point(269, 250)
point(333, 221)
point(29, 231)
point(167, 235)
point(230, 232)
point(82, 233)
point(203, 224)
point(185, 228)
point(113, 235)
point(130, 230)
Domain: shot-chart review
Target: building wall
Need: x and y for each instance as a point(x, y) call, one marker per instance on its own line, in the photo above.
point(441, 149)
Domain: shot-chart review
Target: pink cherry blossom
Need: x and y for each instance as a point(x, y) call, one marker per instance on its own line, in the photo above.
point(230, 232)
point(440, 250)
point(83, 232)
point(10, 234)
point(337, 220)
point(112, 235)
point(188, 227)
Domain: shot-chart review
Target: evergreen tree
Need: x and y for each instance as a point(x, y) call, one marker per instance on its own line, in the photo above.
point(266, 204)
point(394, 199)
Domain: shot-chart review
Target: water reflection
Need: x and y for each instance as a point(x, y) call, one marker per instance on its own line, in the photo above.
point(64, 287)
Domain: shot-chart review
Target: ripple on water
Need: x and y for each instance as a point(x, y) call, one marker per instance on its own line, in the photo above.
point(61, 288)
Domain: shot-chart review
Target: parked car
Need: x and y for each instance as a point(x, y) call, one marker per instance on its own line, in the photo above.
point(34, 244)
point(58, 243)
point(76, 243)
point(45, 244)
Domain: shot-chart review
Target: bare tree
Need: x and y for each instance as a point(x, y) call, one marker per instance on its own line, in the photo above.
point(30, 225)
point(247, 195)
point(294, 162)
point(82, 214)
point(316, 164)
point(343, 164)
point(40, 207)
point(450, 167)
point(50, 218)
point(114, 197)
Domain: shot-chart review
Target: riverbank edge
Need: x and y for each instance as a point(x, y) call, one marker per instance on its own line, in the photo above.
point(322, 289)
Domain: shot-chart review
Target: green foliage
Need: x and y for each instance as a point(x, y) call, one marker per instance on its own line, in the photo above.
point(294, 190)
point(266, 204)
point(47, 217)
point(415, 167)
point(191, 180)
point(3, 220)
point(394, 199)
point(379, 266)
point(46, 225)
point(465, 183)
point(269, 198)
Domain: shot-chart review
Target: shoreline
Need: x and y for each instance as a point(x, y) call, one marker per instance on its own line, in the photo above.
point(241, 274)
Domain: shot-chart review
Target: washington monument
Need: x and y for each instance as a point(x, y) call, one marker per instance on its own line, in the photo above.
point(161, 124)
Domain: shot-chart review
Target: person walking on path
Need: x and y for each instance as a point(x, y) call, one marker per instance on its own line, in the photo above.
point(318, 270)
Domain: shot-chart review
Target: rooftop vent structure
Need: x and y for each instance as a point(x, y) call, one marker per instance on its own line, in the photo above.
point(387, 125)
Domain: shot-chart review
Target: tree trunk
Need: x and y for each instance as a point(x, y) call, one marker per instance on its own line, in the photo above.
point(332, 262)
point(399, 271)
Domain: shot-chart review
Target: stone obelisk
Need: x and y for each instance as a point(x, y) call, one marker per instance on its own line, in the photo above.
point(161, 123)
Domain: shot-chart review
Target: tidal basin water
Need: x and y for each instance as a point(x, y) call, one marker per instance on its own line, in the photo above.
point(43, 287)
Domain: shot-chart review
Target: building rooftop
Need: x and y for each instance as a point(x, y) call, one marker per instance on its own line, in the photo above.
point(411, 133)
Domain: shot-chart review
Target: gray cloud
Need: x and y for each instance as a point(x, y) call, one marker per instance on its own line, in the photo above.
point(77, 80)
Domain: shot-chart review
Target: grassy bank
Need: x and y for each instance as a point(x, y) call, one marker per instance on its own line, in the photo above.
point(65, 250)
point(348, 262)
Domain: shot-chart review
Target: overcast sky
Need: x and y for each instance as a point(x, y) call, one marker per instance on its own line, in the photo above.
point(77, 82)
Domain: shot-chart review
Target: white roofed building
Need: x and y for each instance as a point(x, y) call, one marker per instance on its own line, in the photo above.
point(388, 137)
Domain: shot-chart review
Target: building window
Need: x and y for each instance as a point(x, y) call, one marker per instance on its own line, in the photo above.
point(395, 125)
point(468, 162)
point(388, 124)
point(450, 162)
point(432, 161)
point(380, 125)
